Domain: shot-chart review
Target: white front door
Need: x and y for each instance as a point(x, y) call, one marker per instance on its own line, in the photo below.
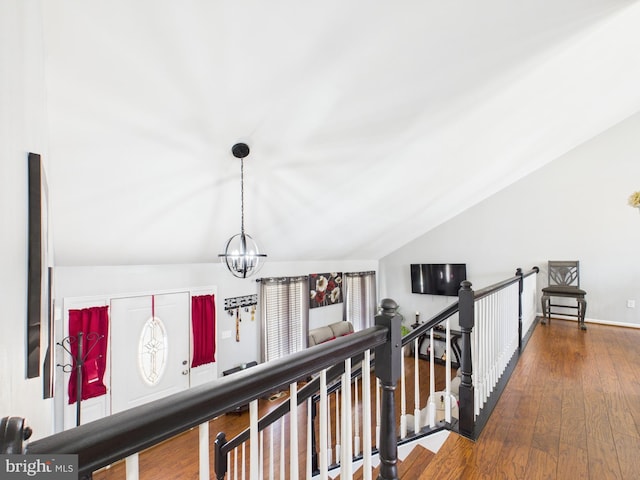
point(149, 348)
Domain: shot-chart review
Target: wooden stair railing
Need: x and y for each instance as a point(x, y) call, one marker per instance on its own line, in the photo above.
point(471, 401)
point(387, 371)
point(122, 435)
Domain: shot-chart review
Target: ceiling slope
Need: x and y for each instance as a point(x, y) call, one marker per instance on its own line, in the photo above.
point(369, 124)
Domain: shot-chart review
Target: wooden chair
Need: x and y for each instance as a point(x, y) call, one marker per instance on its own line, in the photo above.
point(564, 282)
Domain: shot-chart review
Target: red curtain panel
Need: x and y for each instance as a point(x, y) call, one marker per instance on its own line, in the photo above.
point(203, 323)
point(93, 322)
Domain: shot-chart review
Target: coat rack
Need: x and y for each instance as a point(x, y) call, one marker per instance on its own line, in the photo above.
point(233, 305)
point(78, 361)
point(244, 301)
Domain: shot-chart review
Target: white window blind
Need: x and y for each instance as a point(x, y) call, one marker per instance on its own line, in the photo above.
point(284, 315)
point(360, 299)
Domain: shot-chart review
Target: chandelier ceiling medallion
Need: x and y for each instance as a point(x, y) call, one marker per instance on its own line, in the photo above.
point(241, 254)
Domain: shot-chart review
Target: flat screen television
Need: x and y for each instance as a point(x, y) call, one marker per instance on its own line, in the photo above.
point(437, 278)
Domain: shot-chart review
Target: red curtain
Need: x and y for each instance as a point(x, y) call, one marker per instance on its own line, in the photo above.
point(203, 324)
point(94, 324)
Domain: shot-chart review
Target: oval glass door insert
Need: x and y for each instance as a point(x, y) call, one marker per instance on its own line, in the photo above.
point(152, 351)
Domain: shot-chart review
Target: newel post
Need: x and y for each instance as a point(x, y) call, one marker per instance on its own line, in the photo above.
point(220, 461)
point(466, 312)
point(13, 433)
point(520, 290)
point(388, 358)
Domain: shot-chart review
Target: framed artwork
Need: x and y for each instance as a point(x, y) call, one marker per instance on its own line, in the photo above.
point(325, 289)
point(39, 276)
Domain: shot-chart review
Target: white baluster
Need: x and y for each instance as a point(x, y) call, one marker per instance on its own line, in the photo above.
point(338, 434)
point(356, 419)
point(282, 451)
point(293, 431)
point(447, 362)
point(309, 444)
point(377, 412)
point(366, 416)
point(486, 334)
point(235, 463)
point(492, 345)
point(416, 389)
point(253, 438)
point(497, 339)
point(325, 426)
point(261, 469)
point(346, 462)
point(479, 354)
point(493, 311)
point(432, 384)
point(244, 461)
point(271, 454)
point(132, 467)
point(478, 365)
point(475, 359)
point(504, 332)
point(403, 397)
point(203, 450)
point(329, 438)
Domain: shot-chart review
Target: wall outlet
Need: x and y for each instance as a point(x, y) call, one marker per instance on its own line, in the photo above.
point(631, 304)
point(226, 334)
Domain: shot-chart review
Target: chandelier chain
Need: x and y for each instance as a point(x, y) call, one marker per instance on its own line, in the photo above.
point(242, 196)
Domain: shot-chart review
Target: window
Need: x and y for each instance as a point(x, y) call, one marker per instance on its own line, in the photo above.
point(284, 315)
point(360, 299)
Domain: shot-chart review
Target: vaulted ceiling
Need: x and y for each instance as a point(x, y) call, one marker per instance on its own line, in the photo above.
point(369, 123)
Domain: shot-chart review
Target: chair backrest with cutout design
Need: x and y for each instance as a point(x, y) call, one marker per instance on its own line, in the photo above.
point(564, 273)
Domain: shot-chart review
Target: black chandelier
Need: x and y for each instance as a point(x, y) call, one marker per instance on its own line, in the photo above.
point(241, 253)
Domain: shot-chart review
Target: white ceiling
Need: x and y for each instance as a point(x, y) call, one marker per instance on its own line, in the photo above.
point(369, 123)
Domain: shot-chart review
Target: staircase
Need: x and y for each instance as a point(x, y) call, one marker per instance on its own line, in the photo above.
point(413, 458)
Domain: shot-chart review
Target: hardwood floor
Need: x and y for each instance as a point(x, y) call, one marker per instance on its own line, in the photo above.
point(570, 410)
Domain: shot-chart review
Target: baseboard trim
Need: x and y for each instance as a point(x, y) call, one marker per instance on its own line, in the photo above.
point(595, 320)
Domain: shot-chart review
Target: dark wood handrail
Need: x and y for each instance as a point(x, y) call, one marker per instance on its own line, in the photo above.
point(432, 322)
point(454, 307)
point(484, 292)
point(118, 436)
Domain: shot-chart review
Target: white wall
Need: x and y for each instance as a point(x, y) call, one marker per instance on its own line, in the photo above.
point(112, 280)
point(573, 208)
point(22, 116)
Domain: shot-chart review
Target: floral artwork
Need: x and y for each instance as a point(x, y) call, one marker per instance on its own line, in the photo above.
point(325, 289)
point(634, 199)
